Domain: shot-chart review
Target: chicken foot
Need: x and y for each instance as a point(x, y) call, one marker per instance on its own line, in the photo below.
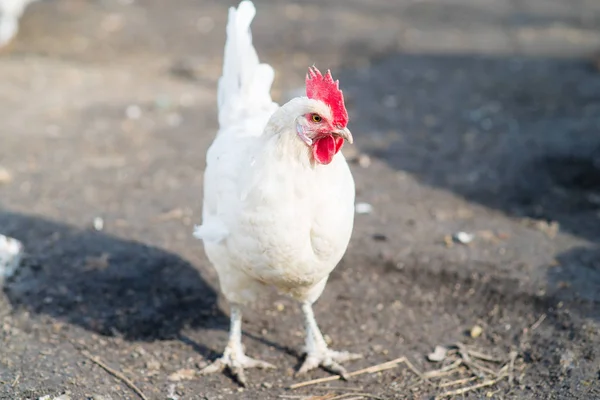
point(317, 352)
point(234, 357)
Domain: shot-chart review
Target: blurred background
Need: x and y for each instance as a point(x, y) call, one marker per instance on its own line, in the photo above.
point(477, 160)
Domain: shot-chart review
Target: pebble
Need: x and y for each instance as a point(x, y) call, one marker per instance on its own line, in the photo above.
point(439, 354)
point(476, 331)
point(98, 224)
point(463, 237)
point(363, 208)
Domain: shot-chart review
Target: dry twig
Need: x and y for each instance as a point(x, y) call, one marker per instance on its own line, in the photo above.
point(511, 368)
point(483, 357)
point(369, 370)
point(347, 396)
point(474, 366)
point(464, 390)
point(477, 368)
point(538, 322)
point(114, 373)
point(447, 370)
point(341, 388)
point(328, 396)
point(457, 382)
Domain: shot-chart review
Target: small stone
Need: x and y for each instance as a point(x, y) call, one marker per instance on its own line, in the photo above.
point(98, 224)
point(476, 331)
point(267, 385)
point(280, 307)
point(463, 237)
point(439, 354)
point(363, 208)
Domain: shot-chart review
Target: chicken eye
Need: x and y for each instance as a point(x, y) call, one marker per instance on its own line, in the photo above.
point(316, 118)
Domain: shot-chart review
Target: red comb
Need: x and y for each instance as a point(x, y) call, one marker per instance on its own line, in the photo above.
point(324, 88)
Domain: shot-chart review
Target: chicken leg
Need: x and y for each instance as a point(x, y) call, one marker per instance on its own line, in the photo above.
point(233, 356)
point(317, 352)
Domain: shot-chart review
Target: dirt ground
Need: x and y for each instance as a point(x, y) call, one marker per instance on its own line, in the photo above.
point(476, 116)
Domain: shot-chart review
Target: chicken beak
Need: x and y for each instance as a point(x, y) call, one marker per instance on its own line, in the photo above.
point(345, 134)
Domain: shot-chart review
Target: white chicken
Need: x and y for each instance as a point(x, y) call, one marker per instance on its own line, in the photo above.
point(278, 195)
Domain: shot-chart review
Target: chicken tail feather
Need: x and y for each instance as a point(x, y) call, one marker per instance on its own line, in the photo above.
point(244, 87)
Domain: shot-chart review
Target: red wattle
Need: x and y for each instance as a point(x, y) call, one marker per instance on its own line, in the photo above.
point(326, 147)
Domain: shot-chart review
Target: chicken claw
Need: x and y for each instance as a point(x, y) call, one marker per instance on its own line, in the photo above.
point(233, 357)
point(236, 362)
point(317, 352)
point(328, 359)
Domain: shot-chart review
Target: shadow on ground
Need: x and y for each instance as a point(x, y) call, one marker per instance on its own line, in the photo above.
point(106, 284)
point(515, 134)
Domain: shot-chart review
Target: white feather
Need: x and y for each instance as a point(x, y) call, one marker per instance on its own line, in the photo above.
point(245, 85)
